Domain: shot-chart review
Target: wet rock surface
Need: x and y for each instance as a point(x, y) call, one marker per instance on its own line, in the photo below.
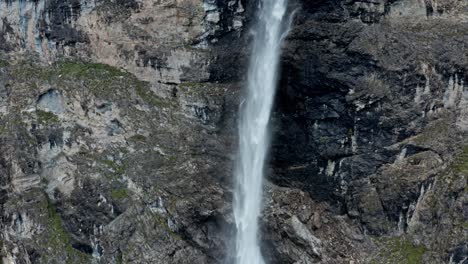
point(118, 132)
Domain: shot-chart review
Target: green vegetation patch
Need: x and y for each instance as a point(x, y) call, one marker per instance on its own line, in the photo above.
point(27, 71)
point(89, 70)
point(101, 79)
point(460, 164)
point(59, 236)
point(44, 117)
point(97, 79)
point(120, 259)
point(111, 169)
point(59, 239)
point(399, 250)
point(171, 159)
point(161, 222)
point(3, 129)
point(324, 140)
point(119, 194)
point(4, 63)
point(117, 169)
point(137, 138)
point(150, 98)
point(433, 132)
point(194, 88)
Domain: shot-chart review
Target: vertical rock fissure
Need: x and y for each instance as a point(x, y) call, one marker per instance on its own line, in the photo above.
point(255, 113)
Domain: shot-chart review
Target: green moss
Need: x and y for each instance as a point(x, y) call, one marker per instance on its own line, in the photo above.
point(137, 138)
point(192, 88)
point(1, 249)
point(59, 239)
point(118, 169)
point(171, 205)
point(161, 222)
point(89, 70)
point(28, 72)
point(171, 159)
point(413, 254)
point(100, 79)
point(120, 259)
point(4, 64)
point(119, 194)
point(124, 150)
point(57, 232)
point(324, 139)
point(461, 162)
point(3, 130)
point(399, 250)
point(112, 169)
point(46, 117)
point(109, 163)
point(150, 98)
point(433, 132)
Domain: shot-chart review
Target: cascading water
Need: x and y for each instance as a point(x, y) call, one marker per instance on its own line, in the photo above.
point(253, 127)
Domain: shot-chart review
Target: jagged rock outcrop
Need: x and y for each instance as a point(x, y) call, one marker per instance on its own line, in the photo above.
point(118, 132)
point(370, 116)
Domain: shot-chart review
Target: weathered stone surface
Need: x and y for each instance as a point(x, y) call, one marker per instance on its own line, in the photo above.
point(118, 132)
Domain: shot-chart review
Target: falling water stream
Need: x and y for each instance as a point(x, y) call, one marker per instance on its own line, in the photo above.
point(253, 127)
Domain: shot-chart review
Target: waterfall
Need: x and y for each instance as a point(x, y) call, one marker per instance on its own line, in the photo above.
point(254, 117)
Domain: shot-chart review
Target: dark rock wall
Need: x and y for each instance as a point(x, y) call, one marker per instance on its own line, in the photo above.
point(359, 91)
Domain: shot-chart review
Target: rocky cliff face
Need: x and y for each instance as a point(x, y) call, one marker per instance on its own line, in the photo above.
point(118, 132)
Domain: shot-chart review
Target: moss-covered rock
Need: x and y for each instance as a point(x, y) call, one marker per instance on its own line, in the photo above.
point(119, 194)
point(3, 63)
point(150, 98)
point(46, 118)
point(58, 239)
point(460, 164)
point(398, 250)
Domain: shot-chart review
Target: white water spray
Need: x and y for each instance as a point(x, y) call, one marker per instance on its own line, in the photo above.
point(253, 127)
